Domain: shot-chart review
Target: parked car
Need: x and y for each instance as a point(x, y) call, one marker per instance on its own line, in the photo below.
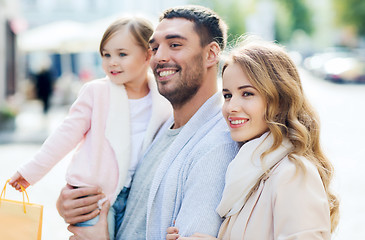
point(338, 65)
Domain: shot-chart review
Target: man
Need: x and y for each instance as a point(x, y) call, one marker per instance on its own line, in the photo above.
point(181, 176)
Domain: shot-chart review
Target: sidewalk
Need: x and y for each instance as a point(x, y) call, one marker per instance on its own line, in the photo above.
point(32, 128)
point(32, 125)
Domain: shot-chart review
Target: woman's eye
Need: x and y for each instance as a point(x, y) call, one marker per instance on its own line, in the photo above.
point(122, 54)
point(106, 55)
point(247, 94)
point(227, 96)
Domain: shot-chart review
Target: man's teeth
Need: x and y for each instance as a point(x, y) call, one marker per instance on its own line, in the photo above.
point(166, 73)
point(238, 121)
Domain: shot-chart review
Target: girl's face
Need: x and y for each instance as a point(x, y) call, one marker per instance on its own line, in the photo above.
point(244, 107)
point(123, 60)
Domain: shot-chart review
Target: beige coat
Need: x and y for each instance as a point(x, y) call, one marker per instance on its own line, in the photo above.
point(285, 206)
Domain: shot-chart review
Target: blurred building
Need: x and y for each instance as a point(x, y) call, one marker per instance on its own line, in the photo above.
point(38, 12)
point(261, 20)
point(66, 31)
point(8, 28)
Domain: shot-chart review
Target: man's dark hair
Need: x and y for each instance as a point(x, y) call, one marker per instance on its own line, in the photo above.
point(207, 24)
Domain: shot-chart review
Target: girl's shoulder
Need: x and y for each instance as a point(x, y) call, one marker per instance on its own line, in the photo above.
point(98, 82)
point(94, 87)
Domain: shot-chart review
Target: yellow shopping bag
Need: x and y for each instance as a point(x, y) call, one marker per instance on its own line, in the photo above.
point(20, 220)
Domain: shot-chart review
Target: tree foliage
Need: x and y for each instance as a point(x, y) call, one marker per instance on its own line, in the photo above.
point(291, 15)
point(233, 12)
point(351, 12)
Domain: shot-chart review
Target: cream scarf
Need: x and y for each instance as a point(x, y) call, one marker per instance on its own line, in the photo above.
point(245, 170)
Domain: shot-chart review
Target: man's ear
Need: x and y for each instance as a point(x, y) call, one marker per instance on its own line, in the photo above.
point(212, 56)
point(148, 54)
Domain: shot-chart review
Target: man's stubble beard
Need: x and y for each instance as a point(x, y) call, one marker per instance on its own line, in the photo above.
point(187, 86)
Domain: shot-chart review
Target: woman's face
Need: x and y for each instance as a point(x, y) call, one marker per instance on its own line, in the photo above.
point(244, 107)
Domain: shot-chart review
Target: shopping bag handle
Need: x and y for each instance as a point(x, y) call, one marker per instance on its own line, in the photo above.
point(2, 196)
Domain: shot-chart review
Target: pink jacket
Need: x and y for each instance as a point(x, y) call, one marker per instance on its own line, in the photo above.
point(98, 124)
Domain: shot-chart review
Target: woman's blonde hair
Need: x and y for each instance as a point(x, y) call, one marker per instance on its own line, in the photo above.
point(140, 28)
point(288, 112)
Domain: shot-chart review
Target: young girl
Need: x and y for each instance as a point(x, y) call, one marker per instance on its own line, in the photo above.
point(277, 187)
point(112, 121)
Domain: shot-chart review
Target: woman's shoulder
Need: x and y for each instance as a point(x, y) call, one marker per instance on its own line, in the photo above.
point(287, 171)
point(298, 192)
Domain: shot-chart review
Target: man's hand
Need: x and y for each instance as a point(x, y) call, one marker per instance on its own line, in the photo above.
point(198, 236)
point(80, 204)
point(172, 233)
point(97, 232)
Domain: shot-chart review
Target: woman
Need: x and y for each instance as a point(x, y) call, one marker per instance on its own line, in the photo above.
point(277, 187)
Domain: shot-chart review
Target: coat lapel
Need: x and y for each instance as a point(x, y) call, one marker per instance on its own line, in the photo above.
point(234, 227)
point(193, 127)
point(118, 129)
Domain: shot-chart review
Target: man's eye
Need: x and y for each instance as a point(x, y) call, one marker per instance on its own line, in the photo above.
point(174, 45)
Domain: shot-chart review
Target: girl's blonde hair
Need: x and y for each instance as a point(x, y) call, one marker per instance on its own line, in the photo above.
point(288, 112)
point(140, 28)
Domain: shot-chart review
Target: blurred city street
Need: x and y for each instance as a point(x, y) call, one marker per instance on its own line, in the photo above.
point(342, 111)
point(32, 127)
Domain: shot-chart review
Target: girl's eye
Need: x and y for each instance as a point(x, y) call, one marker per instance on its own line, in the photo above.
point(247, 94)
point(122, 54)
point(106, 55)
point(227, 95)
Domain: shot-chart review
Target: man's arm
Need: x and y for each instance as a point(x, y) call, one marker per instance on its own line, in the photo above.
point(74, 207)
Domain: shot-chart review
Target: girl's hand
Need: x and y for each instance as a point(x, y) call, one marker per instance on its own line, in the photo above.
point(17, 180)
point(97, 232)
point(172, 233)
